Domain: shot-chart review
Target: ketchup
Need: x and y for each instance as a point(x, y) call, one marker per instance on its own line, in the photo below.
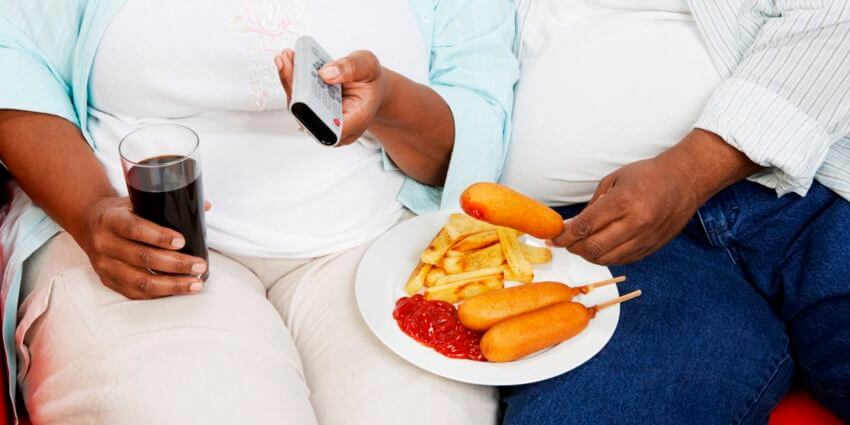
point(435, 324)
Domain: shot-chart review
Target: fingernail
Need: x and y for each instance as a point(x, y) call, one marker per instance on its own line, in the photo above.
point(199, 268)
point(196, 286)
point(329, 72)
point(177, 242)
point(279, 62)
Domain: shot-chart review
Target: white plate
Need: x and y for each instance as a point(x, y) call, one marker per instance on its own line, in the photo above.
point(387, 265)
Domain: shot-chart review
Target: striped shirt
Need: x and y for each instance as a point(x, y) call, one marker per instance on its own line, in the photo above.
point(785, 96)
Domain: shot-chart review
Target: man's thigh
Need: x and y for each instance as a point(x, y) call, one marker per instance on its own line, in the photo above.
point(354, 379)
point(815, 283)
point(88, 354)
point(700, 346)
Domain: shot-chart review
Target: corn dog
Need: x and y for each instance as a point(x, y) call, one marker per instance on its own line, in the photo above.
point(481, 312)
point(531, 332)
point(499, 205)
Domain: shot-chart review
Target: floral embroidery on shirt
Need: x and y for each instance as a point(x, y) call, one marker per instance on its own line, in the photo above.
point(272, 23)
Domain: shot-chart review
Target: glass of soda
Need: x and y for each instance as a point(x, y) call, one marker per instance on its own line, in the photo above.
point(162, 168)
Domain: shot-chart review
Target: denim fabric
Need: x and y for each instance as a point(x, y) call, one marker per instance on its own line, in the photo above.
point(753, 289)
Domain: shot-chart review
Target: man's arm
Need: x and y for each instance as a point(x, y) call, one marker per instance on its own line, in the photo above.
point(786, 103)
point(788, 100)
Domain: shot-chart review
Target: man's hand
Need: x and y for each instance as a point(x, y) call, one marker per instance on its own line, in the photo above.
point(364, 88)
point(642, 206)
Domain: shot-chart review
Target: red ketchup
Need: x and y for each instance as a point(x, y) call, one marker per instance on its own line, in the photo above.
point(435, 324)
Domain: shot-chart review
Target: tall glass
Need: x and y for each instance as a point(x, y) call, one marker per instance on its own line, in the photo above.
point(162, 168)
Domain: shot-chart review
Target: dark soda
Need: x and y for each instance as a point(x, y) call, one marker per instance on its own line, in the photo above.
point(167, 190)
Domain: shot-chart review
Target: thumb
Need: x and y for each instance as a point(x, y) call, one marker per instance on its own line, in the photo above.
point(604, 185)
point(360, 66)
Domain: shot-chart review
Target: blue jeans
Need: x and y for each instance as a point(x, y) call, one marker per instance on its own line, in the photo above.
point(755, 288)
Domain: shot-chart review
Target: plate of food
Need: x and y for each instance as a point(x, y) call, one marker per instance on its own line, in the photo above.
point(477, 297)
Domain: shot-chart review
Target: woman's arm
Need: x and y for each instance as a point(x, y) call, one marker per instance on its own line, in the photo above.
point(54, 165)
point(416, 127)
point(462, 116)
point(412, 121)
point(52, 162)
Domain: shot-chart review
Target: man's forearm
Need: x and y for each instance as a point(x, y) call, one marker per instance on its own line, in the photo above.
point(711, 163)
point(52, 162)
point(415, 126)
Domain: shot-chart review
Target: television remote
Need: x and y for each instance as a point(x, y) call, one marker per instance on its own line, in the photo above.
point(315, 104)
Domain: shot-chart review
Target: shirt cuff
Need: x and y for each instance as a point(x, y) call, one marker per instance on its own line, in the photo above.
point(770, 131)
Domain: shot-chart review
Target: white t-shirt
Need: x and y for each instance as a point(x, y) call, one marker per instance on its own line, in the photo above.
point(210, 66)
point(604, 83)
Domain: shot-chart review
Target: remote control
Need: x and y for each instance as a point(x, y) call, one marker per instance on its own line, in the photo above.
point(315, 104)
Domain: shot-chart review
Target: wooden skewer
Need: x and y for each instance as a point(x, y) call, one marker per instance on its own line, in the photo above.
point(615, 301)
point(591, 286)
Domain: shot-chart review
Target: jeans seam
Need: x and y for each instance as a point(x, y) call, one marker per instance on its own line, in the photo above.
point(761, 392)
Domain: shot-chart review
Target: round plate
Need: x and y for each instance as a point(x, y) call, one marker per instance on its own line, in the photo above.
point(384, 271)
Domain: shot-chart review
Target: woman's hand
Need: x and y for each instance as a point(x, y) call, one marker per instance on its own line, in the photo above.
point(124, 249)
point(364, 88)
point(642, 206)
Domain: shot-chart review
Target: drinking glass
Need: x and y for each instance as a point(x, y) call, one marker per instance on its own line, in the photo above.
point(162, 168)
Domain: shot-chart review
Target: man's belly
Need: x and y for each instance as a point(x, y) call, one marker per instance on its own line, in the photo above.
point(601, 88)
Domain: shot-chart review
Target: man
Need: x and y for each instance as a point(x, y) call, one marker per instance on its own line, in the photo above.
point(701, 148)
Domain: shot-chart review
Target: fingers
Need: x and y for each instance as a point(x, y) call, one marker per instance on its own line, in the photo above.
point(285, 62)
point(608, 244)
point(360, 66)
point(356, 121)
point(207, 206)
point(150, 258)
point(137, 283)
point(124, 223)
point(592, 219)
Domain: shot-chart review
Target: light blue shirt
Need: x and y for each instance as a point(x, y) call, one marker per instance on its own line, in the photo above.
point(47, 48)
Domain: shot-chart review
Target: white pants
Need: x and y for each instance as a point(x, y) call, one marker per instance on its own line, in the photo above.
point(265, 342)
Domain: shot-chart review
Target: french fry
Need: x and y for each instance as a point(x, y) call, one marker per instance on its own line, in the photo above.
point(438, 247)
point(417, 278)
point(536, 254)
point(513, 254)
point(453, 253)
point(476, 241)
point(435, 274)
point(511, 277)
point(462, 225)
point(469, 276)
point(459, 291)
point(489, 257)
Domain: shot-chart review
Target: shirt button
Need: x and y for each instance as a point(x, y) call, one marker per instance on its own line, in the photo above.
point(426, 18)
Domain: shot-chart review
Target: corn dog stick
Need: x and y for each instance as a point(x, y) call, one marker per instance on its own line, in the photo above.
point(615, 301)
point(591, 286)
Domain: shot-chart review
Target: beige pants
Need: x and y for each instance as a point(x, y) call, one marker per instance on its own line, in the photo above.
point(266, 342)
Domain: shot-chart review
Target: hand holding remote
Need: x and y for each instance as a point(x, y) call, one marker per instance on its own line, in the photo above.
point(364, 88)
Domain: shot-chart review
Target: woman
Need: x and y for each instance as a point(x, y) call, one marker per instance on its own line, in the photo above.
point(663, 109)
point(274, 335)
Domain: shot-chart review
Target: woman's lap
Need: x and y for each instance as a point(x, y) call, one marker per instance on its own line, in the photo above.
point(222, 356)
point(354, 379)
point(701, 346)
